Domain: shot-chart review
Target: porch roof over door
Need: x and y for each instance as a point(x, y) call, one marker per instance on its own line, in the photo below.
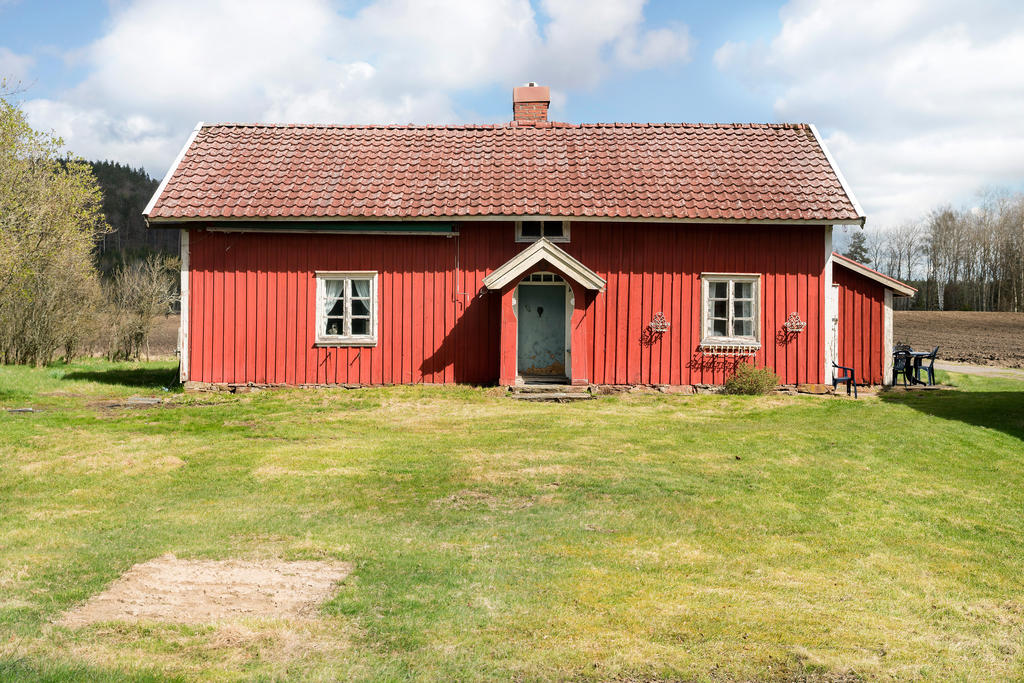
point(543, 250)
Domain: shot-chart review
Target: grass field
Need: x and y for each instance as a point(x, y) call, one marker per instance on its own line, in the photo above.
point(634, 537)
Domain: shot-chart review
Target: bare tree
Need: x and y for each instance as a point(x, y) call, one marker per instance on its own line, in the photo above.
point(972, 258)
point(875, 244)
point(905, 248)
point(138, 293)
point(941, 230)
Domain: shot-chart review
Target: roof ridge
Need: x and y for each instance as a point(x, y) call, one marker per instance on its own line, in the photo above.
point(509, 125)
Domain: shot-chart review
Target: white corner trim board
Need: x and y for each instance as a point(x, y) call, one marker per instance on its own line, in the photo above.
point(887, 339)
point(839, 175)
point(831, 311)
point(172, 169)
point(183, 328)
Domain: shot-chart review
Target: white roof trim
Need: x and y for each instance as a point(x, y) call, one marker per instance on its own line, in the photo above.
point(839, 174)
point(508, 218)
point(895, 285)
point(172, 169)
point(543, 250)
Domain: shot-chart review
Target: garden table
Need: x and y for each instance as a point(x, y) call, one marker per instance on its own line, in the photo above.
point(912, 371)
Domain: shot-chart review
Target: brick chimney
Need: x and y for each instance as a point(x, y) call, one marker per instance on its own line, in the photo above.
point(530, 102)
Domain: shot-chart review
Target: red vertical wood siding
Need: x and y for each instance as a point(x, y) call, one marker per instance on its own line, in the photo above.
point(861, 316)
point(252, 303)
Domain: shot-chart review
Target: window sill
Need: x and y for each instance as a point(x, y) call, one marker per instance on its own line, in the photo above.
point(717, 343)
point(345, 341)
point(525, 240)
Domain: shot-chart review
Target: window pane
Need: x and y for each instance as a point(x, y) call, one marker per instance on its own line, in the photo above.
point(743, 328)
point(360, 307)
point(719, 309)
point(334, 289)
point(743, 290)
point(360, 326)
point(719, 290)
point(531, 229)
point(361, 288)
point(336, 307)
point(553, 228)
point(335, 326)
point(719, 327)
point(743, 309)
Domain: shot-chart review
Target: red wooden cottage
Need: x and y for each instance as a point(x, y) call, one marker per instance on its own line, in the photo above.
point(533, 250)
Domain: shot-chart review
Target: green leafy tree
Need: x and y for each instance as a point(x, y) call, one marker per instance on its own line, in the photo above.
point(857, 249)
point(50, 218)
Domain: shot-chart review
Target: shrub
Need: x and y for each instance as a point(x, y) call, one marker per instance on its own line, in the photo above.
point(751, 381)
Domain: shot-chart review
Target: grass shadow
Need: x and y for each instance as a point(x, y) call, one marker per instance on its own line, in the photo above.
point(152, 378)
point(995, 404)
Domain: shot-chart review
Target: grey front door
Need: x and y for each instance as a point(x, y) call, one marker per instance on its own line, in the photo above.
point(542, 329)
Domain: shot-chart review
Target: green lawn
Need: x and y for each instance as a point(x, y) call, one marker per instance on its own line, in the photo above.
point(635, 537)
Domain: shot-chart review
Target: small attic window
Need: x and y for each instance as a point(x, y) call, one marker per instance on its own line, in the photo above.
point(532, 230)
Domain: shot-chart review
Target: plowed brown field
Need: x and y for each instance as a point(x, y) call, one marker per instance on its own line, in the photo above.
point(964, 337)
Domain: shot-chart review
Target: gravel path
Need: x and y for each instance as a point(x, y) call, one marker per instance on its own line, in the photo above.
point(983, 370)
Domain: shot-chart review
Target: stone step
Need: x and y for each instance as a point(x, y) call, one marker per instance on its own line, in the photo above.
point(550, 389)
point(553, 396)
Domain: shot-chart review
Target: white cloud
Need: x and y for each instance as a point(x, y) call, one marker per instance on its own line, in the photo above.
point(581, 33)
point(393, 61)
point(14, 67)
point(920, 100)
point(93, 133)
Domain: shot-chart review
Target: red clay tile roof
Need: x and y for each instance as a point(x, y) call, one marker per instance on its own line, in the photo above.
point(776, 172)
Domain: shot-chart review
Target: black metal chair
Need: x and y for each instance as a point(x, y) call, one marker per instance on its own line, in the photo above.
point(920, 367)
point(901, 365)
point(847, 379)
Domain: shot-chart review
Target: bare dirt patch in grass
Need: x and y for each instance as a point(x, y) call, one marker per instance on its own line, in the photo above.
point(523, 474)
point(273, 471)
point(207, 591)
point(965, 337)
point(472, 500)
point(130, 457)
point(51, 513)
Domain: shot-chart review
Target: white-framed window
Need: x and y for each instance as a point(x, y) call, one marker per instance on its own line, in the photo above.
point(346, 308)
point(532, 230)
point(543, 277)
point(730, 312)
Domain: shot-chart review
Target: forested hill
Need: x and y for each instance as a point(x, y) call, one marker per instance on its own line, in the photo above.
point(126, 191)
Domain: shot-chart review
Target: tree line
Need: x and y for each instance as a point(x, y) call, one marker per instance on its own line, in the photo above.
point(55, 299)
point(967, 259)
point(126, 191)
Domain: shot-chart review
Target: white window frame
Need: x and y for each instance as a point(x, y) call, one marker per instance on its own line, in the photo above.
point(564, 237)
point(708, 339)
point(323, 339)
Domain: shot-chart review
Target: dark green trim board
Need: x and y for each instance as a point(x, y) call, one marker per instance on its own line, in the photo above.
point(375, 227)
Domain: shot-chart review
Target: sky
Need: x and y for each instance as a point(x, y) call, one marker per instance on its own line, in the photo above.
point(919, 101)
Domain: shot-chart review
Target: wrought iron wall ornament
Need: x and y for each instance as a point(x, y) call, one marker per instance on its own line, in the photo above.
point(794, 323)
point(659, 324)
